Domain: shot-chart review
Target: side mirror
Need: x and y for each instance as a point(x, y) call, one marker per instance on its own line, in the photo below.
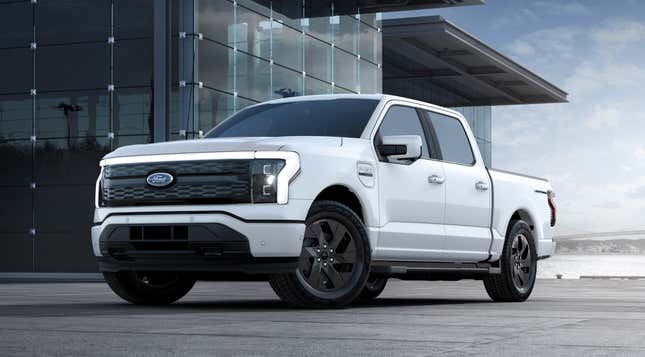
point(402, 149)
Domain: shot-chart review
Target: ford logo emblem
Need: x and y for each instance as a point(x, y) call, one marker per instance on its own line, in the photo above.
point(160, 179)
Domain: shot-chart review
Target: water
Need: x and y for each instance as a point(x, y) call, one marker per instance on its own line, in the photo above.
point(572, 266)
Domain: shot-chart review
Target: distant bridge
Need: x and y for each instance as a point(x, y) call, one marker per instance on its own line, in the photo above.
point(600, 235)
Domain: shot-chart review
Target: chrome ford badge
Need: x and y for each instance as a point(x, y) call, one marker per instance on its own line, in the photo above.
point(160, 179)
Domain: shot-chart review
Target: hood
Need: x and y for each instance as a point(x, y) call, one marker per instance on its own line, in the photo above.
point(223, 145)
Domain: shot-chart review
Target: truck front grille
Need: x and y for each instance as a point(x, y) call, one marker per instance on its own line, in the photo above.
point(195, 182)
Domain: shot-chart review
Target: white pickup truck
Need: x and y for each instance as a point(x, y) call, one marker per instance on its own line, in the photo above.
point(326, 197)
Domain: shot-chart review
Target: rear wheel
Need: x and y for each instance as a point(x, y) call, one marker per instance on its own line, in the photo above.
point(149, 288)
point(518, 266)
point(334, 261)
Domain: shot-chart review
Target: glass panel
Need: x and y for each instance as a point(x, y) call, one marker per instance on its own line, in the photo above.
point(16, 25)
point(453, 141)
point(68, 67)
point(253, 33)
point(16, 217)
point(69, 161)
point(314, 86)
point(288, 13)
point(340, 90)
point(345, 69)
point(72, 114)
point(369, 77)
point(318, 27)
point(344, 30)
point(17, 156)
point(53, 251)
point(133, 63)
point(15, 117)
point(16, 70)
point(371, 19)
point(214, 107)
point(370, 43)
point(125, 140)
point(318, 58)
point(253, 77)
point(133, 18)
point(16, 252)
point(216, 65)
point(401, 120)
point(287, 46)
point(132, 111)
point(216, 20)
point(286, 83)
point(67, 21)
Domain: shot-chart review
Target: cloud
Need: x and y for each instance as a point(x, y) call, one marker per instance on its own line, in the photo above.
point(562, 7)
point(620, 32)
point(604, 118)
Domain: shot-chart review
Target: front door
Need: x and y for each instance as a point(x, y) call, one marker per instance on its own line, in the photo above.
point(411, 196)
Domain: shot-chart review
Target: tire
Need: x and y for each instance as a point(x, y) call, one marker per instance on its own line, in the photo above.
point(149, 288)
point(518, 266)
point(335, 260)
point(373, 288)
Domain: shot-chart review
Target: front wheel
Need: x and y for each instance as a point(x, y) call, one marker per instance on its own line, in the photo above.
point(334, 261)
point(518, 264)
point(149, 288)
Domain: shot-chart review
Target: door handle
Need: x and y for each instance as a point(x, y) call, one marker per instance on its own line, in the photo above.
point(436, 179)
point(482, 186)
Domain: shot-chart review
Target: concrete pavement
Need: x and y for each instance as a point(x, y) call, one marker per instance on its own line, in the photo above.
point(563, 318)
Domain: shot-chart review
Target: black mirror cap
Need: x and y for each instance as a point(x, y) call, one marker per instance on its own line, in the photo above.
point(389, 150)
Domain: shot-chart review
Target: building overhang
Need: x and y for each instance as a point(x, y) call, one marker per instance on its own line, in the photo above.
point(430, 59)
point(295, 8)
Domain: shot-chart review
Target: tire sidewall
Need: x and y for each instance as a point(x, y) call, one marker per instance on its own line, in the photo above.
point(519, 227)
point(344, 215)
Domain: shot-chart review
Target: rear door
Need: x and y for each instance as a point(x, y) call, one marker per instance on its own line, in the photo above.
point(468, 191)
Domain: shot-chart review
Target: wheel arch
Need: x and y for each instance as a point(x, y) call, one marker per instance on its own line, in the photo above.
point(345, 195)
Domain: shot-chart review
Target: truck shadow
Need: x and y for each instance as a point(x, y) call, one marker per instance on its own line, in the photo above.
point(190, 307)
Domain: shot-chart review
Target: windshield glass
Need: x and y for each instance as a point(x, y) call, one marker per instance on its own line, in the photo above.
point(335, 117)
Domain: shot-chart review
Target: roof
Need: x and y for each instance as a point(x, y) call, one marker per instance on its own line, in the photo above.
point(432, 60)
point(294, 9)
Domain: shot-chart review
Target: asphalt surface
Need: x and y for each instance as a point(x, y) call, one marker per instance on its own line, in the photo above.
point(562, 318)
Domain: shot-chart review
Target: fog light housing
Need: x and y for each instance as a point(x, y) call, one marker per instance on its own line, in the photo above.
point(264, 180)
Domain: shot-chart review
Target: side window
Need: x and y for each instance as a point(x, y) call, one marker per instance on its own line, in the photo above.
point(453, 142)
point(401, 120)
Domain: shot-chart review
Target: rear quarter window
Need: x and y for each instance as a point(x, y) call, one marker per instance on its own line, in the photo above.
point(453, 141)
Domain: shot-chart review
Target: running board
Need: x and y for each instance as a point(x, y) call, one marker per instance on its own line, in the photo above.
point(400, 267)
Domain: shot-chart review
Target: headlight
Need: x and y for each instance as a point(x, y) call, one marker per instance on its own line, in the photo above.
point(264, 180)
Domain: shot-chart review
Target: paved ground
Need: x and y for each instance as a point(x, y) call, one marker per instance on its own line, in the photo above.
point(564, 317)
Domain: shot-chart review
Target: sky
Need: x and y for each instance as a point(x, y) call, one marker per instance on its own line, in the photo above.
point(592, 149)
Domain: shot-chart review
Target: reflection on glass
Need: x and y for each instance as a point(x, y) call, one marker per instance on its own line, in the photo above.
point(216, 68)
point(69, 161)
point(318, 58)
point(345, 73)
point(214, 107)
point(287, 46)
point(16, 114)
point(72, 115)
point(253, 77)
point(286, 83)
point(344, 30)
point(216, 20)
point(17, 216)
point(132, 18)
point(253, 33)
point(16, 155)
point(132, 112)
point(369, 39)
point(369, 77)
point(314, 86)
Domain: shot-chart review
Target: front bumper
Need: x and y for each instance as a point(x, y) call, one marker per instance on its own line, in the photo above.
point(217, 241)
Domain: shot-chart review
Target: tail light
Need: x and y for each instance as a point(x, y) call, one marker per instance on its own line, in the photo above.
point(550, 196)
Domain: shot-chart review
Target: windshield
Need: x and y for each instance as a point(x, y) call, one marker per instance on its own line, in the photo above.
point(334, 117)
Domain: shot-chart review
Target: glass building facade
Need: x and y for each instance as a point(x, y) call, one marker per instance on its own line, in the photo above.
point(77, 81)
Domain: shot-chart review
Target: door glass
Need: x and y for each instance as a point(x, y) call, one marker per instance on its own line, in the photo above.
point(401, 120)
point(452, 138)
